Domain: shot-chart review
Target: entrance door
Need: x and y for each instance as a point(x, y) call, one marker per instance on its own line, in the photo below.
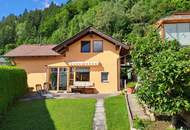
point(63, 79)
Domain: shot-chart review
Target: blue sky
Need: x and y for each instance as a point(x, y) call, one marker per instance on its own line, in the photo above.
point(18, 6)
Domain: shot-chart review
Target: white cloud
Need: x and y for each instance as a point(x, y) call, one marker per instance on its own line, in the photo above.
point(46, 3)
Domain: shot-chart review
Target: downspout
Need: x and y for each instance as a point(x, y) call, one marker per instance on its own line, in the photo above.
point(119, 71)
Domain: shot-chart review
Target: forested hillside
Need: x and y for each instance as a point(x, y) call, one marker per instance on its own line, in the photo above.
point(118, 18)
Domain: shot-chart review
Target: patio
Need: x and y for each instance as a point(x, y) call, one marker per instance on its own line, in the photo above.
point(55, 95)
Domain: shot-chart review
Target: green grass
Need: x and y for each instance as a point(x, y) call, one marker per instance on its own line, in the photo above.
point(116, 113)
point(53, 114)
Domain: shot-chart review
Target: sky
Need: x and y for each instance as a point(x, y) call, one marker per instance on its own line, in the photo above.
point(18, 6)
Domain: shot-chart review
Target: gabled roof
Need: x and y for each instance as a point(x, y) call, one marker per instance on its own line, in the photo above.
point(175, 18)
point(32, 50)
point(56, 50)
point(89, 30)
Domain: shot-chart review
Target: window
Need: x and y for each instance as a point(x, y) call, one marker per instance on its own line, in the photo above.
point(82, 74)
point(104, 76)
point(98, 46)
point(179, 31)
point(85, 46)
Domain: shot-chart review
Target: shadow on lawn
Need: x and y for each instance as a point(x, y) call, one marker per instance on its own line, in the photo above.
point(30, 115)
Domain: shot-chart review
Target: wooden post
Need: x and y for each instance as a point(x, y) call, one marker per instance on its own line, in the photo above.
point(125, 60)
point(47, 74)
point(74, 74)
point(162, 32)
point(68, 77)
point(58, 78)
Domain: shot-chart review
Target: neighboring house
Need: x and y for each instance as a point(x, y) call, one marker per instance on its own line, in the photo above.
point(3, 61)
point(176, 26)
point(90, 59)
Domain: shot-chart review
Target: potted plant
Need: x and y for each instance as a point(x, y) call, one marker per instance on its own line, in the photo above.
point(130, 87)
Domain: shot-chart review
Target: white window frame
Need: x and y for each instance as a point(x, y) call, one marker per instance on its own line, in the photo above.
point(102, 80)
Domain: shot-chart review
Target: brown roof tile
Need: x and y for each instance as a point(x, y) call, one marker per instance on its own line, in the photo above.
point(32, 50)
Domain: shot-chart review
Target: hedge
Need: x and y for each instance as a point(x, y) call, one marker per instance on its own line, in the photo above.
point(13, 84)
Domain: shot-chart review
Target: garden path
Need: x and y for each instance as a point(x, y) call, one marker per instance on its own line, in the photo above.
point(99, 117)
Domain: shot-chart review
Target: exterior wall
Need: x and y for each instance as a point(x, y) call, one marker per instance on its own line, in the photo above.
point(36, 67)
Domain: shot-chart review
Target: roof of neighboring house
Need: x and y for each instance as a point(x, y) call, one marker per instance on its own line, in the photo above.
point(2, 60)
point(90, 30)
point(32, 50)
point(175, 18)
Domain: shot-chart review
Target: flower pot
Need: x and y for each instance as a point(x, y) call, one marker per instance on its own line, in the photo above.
point(130, 90)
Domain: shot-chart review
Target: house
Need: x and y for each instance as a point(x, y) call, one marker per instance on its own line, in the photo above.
point(176, 26)
point(3, 61)
point(90, 60)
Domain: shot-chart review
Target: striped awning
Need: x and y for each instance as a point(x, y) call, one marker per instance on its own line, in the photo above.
point(90, 63)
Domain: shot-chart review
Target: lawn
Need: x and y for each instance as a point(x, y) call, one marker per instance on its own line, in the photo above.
point(52, 114)
point(116, 113)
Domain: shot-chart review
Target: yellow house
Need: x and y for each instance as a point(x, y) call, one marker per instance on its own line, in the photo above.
point(89, 60)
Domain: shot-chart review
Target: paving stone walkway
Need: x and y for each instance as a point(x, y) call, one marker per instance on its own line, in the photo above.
point(99, 117)
point(135, 108)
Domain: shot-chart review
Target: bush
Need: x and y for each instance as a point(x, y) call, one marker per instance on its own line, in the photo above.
point(140, 124)
point(13, 84)
point(131, 84)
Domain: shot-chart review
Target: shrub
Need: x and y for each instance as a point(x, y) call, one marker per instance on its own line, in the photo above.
point(141, 124)
point(131, 84)
point(13, 83)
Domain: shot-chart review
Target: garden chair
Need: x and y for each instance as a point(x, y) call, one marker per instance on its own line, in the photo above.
point(39, 89)
point(46, 87)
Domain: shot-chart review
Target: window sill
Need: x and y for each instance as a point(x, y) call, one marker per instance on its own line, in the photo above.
point(97, 51)
point(86, 52)
point(105, 81)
